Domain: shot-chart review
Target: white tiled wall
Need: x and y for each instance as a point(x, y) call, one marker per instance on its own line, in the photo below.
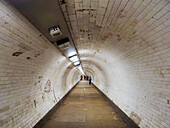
point(127, 45)
point(124, 43)
point(31, 71)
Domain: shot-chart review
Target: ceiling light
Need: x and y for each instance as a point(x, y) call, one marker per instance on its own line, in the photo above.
point(74, 58)
point(64, 44)
point(77, 62)
point(72, 53)
point(55, 31)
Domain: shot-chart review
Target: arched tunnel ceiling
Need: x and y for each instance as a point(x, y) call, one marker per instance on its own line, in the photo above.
point(124, 43)
point(94, 22)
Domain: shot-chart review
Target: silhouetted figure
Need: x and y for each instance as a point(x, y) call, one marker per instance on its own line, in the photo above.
point(81, 77)
point(84, 77)
point(87, 77)
point(90, 81)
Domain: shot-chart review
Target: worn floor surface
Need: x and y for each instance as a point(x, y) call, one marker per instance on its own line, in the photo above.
point(85, 108)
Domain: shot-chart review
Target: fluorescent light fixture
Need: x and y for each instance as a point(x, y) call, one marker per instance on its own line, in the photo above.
point(55, 31)
point(71, 53)
point(77, 62)
point(64, 44)
point(78, 65)
point(74, 58)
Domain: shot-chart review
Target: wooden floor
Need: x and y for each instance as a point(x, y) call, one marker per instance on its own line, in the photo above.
point(85, 108)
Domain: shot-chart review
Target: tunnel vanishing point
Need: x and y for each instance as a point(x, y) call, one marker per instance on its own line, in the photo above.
point(46, 45)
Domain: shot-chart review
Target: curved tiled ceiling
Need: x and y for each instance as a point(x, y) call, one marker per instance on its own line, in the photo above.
point(124, 44)
point(97, 21)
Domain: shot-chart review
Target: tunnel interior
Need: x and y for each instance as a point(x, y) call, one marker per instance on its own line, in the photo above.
point(123, 44)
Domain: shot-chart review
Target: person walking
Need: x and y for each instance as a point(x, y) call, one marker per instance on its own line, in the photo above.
point(84, 77)
point(90, 81)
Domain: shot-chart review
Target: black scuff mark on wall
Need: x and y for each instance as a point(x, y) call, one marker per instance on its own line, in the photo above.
point(28, 58)
point(119, 38)
point(62, 2)
point(35, 103)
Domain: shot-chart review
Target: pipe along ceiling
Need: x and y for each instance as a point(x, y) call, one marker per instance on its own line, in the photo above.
point(123, 44)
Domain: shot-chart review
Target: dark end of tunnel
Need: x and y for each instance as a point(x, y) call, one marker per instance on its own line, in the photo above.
point(130, 123)
point(43, 121)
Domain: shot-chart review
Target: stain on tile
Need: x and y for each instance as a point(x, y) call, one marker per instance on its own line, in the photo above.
point(4, 109)
point(28, 58)
point(135, 22)
point(25, 47)
point(135, 117)
point(40, 77)
point(47, 87)
point(118, 37)
point(43, 97)
point(36, 55)
point(62, 2)
point(17, 54)
point(35, 103)
point(162, 74)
